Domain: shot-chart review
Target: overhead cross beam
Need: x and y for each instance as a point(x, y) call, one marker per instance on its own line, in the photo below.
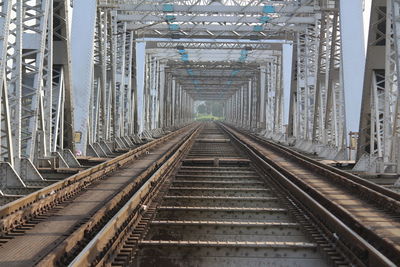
point(133, 19)
point(233, 19)
point(283, 8)
point(228, 45)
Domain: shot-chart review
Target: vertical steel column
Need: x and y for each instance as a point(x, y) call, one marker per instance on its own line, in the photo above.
point(146, 95)
point(168, 100)
point(278, 101)
point(161, 122)
point(185, 106)
point(180, 104)
point(7, 149)
point(232, 99)
point(255, 102)
point(128, 88)
point(242, 106)
point(395, 144)
point(292, 126)
point(236, 107)
point(172, 103)
point(140, 72)
point(331, 129)
point(271, 87)
point(153, 93)
point(157, 97)
point(322, 68)
point(225, 110)
point(103, 43)
point(249, 104)
point(119, 45)
point(263, 70)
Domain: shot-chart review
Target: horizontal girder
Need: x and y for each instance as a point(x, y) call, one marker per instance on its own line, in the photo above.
point(217, 31)
point(214, 45)
point(213, 19)
point(220, 9)
point(205, 84)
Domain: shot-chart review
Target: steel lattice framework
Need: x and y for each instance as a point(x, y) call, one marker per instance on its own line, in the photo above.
point(379, 136)
point(36, 108)
point(134, 68)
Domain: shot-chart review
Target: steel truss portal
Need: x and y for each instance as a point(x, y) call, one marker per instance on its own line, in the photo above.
point(139, 67)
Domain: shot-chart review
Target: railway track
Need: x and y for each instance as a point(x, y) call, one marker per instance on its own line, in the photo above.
point(370, 210)
point(215, 195)
point(55, 171)
point(77, 207)
point(220, 205)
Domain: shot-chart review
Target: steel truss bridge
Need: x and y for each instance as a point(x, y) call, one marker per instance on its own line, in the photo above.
point(85, 77)
point(102, 161)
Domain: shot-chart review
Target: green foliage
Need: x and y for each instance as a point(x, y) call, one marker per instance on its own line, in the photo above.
point(210, 110)
point(202, 109)
point(208, 117)
point(211, 107)
point(217, 108)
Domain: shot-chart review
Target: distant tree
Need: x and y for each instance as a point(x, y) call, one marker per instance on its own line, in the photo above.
point(202, 109)
point(217, 109)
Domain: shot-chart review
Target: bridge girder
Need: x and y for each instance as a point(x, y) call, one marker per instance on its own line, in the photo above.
point(133, 61)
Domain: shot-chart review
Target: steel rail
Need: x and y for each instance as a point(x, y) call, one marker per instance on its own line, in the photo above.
point(383, 197)
point(329, 170)
point(21, 210)
point(133, 250)
point(339, 220)
point(111, 235)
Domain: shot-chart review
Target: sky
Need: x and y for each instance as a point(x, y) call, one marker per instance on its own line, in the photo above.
point(367, 13)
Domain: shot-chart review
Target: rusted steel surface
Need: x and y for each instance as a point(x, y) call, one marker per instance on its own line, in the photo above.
point(102, 244)
point(85, 213)
point(212, 215)
point(33, 204)
point(209, 197)
point(362, 214)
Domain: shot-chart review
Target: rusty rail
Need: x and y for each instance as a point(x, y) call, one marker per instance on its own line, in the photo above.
point(386, 194)
point(186, 243)
point(21, 210)
point(129, 215)
point(339, 221)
